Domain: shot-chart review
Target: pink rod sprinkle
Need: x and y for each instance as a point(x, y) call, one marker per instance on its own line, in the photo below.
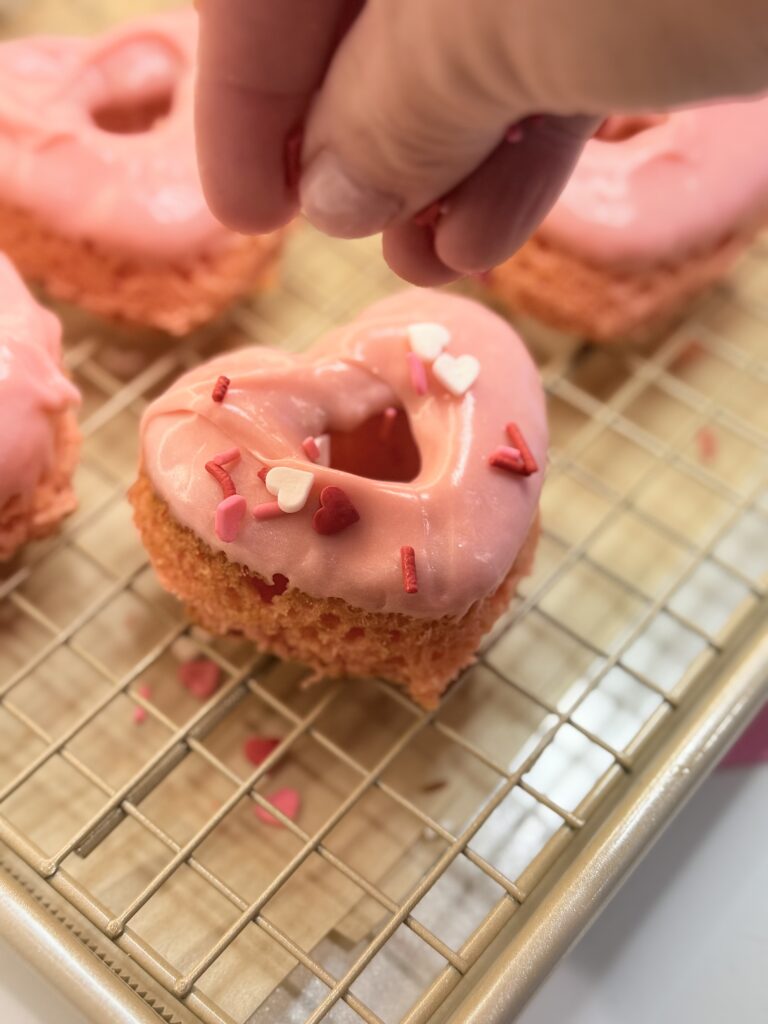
point(224, 458)
point(229, 516)
point(267, 510)
point(516, 437)
point(309, 444)
point(220, 388)
point(508, 458)
point(139, 716)
point(222, 477)
point(387, 423)
point(408, 562)
point(418, 373)
point(706, 439)
point(144, 691)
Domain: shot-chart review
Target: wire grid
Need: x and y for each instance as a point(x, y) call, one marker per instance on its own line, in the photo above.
point(513, 741)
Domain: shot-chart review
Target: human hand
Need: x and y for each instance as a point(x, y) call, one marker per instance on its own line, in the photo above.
point(406, 102)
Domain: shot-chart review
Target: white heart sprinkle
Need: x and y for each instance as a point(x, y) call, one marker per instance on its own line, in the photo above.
point(428, 340)
point(291, 487)
point(323, 442)
point(456, 373)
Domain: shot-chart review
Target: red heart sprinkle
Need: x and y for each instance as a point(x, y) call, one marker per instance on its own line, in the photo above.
point(200, 676)
point(336, 511)
point(258, 748)
point(286, 800)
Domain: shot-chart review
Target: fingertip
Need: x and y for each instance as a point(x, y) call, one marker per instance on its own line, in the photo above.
point(409, 251)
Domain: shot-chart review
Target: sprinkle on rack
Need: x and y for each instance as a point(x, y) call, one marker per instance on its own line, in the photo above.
point(220, 388)
point(408, 563)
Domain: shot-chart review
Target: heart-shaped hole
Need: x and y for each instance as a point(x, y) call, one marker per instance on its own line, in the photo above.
point(380, 448)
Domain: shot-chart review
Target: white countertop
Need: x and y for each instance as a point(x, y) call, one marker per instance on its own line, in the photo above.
point(686, 939)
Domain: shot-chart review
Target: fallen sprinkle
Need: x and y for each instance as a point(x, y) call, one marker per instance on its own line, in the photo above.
point(139, 716)
point(388, 421)
point(433, 787)
point(336, 512)
point(707, 443)
point(287, 801)
point(408, 562)
point(417, 373)
point(508, 458)
point(224, 458)
point(220, 388)
point(222, 477)
point(689, 353)
point(201, 676)
point(309, 444)
point(258, 748)
point(229, 516)
point(267, 510)
point(144, 691)
point(515, 435)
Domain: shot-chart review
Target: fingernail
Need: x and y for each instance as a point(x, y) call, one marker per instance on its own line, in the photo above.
point(340, 206)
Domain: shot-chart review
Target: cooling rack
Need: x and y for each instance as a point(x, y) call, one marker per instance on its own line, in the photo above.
point(440, 862)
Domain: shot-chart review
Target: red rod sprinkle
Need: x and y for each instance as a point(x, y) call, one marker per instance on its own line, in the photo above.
point(418, 373)
point(222, 477)
point(224, 458)
point(408, 561)
point(706, 439)
point(309, 444)
point(515, 436)
point(388, 421)
point(267, 510)
point(220, 389)
point(508, 458)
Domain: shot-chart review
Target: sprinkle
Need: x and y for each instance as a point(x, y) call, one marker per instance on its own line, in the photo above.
point(267, 510)
point(262, 474)
point(417, 372)
point(514, 133)
point(229, 516)
point(285, 800)
point(318, 449)
point(268, 591)
point(457, 374)
point(222, 477)
point(139, 716)
point(430, 215)
point(706, 440)
point(290, 486)
point(184, 649)
point(336, 512)
point(508, 458)
point(144, 691)
point(427, 340)
point(309, 444)
point(258, 748)
point(201, 676)
point(220, 389)
point(433, 787)
point(408, 561)
point(516, 437)
point(388, 421)
point(224, 458)
point(689, 353)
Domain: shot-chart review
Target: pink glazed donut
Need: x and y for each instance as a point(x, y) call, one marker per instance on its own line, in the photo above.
point(39, 440)
point(657, 210)
point(367, 507)
point(100, 198)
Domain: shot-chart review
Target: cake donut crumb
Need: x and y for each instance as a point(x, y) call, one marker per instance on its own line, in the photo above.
point(395, 556)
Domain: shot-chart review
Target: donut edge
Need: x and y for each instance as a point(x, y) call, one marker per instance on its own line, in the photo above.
point(327, 634)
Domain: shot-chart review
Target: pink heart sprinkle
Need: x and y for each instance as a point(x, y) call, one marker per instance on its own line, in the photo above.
point(201, 676)
point(258, 748)
point(286, 800)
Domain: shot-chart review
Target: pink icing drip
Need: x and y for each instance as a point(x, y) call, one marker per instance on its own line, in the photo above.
point(466, 521)
point(32, 387)
point(681, 186)
point(137, 192)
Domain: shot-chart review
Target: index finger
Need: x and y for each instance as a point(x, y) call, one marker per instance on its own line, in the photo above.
point(259, 64)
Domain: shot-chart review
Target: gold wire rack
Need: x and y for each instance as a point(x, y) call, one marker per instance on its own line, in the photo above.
point(442, 861)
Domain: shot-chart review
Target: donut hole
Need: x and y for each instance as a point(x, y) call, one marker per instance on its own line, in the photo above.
point(134, 115)
point(380, 448)
point(622, 127)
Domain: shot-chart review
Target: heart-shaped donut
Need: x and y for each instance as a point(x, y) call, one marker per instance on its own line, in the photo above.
point(409, 472)
point(100, 195)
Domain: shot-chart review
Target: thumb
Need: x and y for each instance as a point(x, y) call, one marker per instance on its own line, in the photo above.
point(418, 94)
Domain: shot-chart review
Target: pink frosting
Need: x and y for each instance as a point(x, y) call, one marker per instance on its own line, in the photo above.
point(465, 520)
point(684, 185)
point(32, 386)
point(139, 193)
